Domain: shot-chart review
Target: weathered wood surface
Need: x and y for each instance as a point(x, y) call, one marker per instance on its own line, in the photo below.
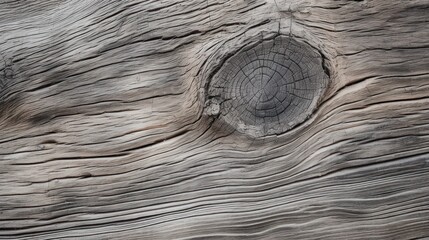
point(103, 132)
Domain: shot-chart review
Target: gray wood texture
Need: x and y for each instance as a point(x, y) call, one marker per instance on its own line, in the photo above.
point(105, 132)
point(268, 87)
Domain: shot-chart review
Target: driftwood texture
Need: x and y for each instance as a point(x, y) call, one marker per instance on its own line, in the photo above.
point(105, 134)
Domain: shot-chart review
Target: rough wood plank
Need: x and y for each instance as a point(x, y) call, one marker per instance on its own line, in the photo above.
point(103, 133)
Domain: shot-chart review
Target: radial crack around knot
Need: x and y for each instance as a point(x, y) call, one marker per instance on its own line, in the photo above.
point(269, 88)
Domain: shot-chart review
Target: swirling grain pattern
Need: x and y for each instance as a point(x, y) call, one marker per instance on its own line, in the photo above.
point(105, 132)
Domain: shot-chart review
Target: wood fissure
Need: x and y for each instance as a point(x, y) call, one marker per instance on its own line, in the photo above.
point(107, 130)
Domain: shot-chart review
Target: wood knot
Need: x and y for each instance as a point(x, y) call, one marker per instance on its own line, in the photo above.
point(268, 88)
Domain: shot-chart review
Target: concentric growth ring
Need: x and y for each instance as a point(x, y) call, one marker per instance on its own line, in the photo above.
point(270, 87)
